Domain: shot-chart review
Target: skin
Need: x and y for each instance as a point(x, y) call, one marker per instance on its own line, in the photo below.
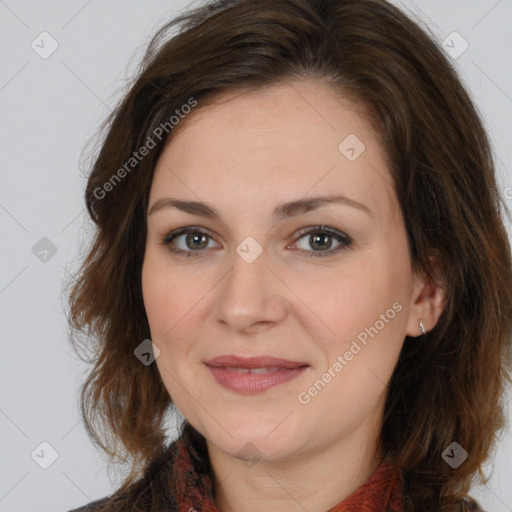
point(244, 153)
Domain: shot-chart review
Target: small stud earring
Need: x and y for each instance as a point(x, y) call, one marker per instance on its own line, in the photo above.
point(422, 327)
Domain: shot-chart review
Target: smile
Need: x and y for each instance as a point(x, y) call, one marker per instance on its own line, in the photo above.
point(254, 374)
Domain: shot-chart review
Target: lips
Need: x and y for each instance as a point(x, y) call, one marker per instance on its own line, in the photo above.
point(251, 375)
point(253, 362)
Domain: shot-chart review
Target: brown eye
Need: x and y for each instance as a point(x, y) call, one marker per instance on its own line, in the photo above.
point(187, 241)
point(320, 240)
point(196, 241)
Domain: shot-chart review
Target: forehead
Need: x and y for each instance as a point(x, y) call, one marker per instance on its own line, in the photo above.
point(282, 142)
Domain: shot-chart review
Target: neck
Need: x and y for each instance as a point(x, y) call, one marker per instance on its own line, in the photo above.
point(314, 481)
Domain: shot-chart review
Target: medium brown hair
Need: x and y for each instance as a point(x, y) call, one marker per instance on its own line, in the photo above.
point(448, 386)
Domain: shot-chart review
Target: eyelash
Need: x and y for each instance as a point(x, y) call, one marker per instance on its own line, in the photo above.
point(345, 240)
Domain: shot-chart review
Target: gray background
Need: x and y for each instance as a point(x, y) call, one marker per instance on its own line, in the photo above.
point(49, 109)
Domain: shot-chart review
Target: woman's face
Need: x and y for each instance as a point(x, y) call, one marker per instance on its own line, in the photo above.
point(260, 281)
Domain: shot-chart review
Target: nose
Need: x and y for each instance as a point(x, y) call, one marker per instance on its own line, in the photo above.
point(252, 296)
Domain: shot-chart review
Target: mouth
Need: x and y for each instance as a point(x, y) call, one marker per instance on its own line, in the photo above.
point(251, 375)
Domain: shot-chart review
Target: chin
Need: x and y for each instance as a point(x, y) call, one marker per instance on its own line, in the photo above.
point(258, 440)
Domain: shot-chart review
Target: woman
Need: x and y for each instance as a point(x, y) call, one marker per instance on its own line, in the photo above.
point(300, 247)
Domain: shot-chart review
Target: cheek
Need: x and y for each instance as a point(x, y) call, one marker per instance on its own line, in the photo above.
point(170, 296)
point(175, 307)
point(166, 302)
point(350, 298)
point(364, 309)
point(360, 358)
point(158, 298)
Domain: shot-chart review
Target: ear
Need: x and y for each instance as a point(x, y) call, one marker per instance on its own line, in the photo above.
point(427, 303)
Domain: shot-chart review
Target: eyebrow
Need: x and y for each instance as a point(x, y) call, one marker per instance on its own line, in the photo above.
point(282, 211)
